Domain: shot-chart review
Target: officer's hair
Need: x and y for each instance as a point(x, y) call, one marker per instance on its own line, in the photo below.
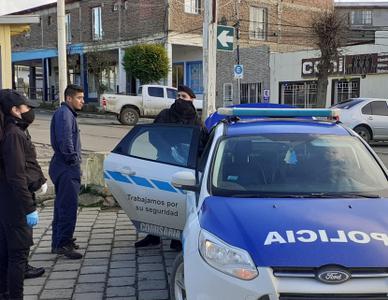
point(72, 90)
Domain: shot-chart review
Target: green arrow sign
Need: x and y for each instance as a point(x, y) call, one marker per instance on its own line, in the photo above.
point(225, 35)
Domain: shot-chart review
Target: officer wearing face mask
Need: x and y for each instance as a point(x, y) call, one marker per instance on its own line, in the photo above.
point(182, 111)
point(20, 177)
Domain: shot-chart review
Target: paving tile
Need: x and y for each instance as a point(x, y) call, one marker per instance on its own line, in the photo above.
point(91, 278)
point(63, 275)
point(122, 272)
point(60, 284)
point(96, 261)
point(153, 295)
point(57, 294)
point(146, 285)
point(88, 296)
point(121, 281)
point(94, 269)
point(90, 287)
point(120, 291)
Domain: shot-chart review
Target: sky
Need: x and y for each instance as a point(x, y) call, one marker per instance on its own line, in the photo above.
point(11, 6)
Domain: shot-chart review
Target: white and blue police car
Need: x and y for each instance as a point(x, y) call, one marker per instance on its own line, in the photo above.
point(278, 206)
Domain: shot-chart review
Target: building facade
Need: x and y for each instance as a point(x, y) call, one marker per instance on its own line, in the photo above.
point(110, 27)
point(361, 71)
point(363, 19)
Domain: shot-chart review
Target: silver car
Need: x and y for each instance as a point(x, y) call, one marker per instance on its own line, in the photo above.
point(366, 116)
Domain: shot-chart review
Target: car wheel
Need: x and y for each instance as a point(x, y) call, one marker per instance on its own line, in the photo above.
point(363, 132)
point(129, 116)
point(177, 282)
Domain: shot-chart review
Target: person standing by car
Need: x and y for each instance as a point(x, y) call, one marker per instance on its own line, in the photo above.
point(65, 171)
point(182, 111)
point(20, 177)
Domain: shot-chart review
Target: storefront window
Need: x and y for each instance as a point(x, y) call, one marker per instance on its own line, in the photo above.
point(345, 89)
point(177, 74)
point(250, 92)
point(195, 76)
point(300, 94)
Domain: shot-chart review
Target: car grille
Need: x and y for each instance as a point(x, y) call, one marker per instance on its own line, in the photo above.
point(310, 272)
point(333, 297)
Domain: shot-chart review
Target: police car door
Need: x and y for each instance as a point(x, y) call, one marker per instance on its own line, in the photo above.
point(138, 172)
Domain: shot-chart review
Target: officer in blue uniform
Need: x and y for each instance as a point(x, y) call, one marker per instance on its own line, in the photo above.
point(65, 172)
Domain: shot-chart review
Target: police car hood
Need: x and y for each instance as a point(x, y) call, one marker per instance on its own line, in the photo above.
point(302, 232)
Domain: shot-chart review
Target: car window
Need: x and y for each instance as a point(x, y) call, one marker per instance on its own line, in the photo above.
point(166, 144)
point(295, 164)
point(379, 108)
point(367, 109)
point(348, 103)
point(171, 94)
point(156, 92)
point(140, 90)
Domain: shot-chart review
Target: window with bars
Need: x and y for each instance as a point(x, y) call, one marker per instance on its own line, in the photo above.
point(192, 6)
point(257, 23)
point(301, 94)
point(96, 23)
point(361, 17)
point(345, 89)
point(250, 92)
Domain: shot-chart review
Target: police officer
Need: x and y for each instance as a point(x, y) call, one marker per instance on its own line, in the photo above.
point(182, 111)
point(65, 172)
point(20, 177)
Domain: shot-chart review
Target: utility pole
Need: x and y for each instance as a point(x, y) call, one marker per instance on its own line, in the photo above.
point(209, 57)
point(238, 47)
point(62, 63)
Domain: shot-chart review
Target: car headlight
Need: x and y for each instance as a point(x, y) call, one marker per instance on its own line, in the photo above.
point(226, 258)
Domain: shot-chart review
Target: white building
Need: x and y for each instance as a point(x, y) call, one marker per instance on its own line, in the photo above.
point(360, 71)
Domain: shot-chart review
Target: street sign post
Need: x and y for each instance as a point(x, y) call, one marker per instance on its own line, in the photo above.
point(238, 71)
point(266, 96)
point(225, 37)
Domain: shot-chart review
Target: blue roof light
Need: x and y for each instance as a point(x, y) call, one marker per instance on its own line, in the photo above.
point(279, 112)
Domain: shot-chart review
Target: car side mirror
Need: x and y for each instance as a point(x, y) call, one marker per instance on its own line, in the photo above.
point(185, 180)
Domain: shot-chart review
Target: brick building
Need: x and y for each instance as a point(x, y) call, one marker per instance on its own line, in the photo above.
point(363, 19)
point(112, 26)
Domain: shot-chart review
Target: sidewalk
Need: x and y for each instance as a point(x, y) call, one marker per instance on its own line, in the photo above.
point(111, 267)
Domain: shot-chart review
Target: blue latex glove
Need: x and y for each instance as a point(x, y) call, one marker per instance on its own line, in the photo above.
point(32, 219)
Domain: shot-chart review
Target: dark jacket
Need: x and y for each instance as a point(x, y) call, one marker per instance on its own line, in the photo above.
point(65, 138)
point(177, 115)
point(20, 173)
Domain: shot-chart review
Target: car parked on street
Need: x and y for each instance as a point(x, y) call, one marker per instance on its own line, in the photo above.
point(149, 102)
point(366, 116)
point(280, 206)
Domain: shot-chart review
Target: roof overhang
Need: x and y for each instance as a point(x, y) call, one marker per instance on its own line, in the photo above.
point(19, 19)
point(355, 4)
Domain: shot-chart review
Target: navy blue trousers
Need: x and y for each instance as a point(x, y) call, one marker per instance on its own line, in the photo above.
point(67, 183)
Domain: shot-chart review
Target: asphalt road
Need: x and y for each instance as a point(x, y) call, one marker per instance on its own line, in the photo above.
point(102, 134)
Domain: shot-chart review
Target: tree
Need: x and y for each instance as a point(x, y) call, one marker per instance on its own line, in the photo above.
point(328, 30)
point(147, 62)
point(98, 62)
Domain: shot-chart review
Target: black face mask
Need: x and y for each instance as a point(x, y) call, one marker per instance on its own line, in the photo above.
point(184, 107)
point(28, 116)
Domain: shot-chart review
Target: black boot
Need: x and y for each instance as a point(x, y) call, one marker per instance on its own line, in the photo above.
point(176, 245)
point(32, 272)
point(149, 240)
point(4, 296)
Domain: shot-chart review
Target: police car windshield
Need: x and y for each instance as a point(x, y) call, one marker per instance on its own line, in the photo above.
point(296, 165)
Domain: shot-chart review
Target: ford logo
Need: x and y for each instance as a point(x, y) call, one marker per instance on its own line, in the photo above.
point(333, 275)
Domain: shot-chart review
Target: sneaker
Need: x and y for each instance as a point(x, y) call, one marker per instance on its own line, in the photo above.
point(75, 246)
point(176, 245)
point(149, 240)
point(68, 251)
point(32, 272)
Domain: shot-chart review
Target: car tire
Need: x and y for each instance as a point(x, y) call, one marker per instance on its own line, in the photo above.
point(177, 282)
point(363, 132)
point(129, 116)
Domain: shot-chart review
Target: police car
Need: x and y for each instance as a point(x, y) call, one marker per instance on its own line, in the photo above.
point(278, 206)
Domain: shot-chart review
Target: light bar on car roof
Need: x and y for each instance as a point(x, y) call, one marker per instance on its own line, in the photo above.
point(279, 112)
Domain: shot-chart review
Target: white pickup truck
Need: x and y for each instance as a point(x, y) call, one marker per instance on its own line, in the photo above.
point(149, 102)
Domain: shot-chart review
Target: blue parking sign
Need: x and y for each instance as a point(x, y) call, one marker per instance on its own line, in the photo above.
point(238, 71)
